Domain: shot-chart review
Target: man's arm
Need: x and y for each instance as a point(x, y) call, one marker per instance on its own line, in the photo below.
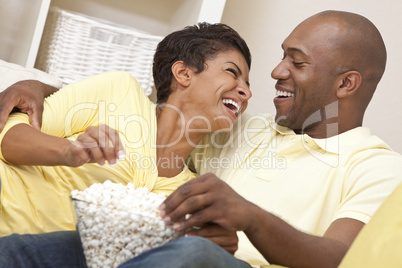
point(28, 97)
point(209, 199)
point(282, 244)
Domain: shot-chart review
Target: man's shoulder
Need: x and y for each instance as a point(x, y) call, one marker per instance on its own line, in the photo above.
point(362, 140)
point(372, 152)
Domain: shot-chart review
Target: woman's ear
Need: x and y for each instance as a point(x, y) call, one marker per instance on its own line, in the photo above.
point(181, 73)
point(348, 84)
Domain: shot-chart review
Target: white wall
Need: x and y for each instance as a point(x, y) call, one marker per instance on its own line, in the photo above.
point(264, 24)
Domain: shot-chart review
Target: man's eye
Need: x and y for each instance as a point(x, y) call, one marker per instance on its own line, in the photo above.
point(297, 63)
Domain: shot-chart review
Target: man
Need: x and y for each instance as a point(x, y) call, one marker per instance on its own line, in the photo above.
point(317, 168)
point(328, 175)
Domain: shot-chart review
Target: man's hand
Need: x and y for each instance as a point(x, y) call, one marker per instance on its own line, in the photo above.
point(208, 200)
point(28, 97)
point(226, 239)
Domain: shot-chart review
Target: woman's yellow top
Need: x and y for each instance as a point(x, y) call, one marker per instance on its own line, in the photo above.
point(36, 199)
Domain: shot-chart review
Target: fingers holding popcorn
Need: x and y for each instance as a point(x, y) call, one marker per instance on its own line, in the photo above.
point(102, 143)
point(207, 199)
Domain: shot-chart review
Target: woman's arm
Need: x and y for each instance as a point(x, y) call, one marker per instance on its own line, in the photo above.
point(24, 145)
point(75, 109)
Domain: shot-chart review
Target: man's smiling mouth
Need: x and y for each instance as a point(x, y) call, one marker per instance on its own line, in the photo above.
point(284, 94)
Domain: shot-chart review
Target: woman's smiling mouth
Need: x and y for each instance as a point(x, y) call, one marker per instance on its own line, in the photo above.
point(232, 105)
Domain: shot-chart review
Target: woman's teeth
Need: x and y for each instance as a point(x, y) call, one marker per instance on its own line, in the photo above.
point(232, 105)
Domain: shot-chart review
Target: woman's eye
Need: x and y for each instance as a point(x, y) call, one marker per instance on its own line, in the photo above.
point(232, 71)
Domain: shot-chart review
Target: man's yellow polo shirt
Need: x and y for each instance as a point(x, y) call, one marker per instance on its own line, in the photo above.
point(307, 182)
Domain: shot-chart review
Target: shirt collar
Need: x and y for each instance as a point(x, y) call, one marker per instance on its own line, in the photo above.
point(281, 129)
point(334, 144)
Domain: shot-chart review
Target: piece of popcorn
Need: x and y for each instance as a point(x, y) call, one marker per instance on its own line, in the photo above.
point(118, 222)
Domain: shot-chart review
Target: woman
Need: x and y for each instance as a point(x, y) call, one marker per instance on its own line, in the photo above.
point(201, 76)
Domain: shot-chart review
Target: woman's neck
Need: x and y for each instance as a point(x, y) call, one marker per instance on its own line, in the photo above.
point(177, 135)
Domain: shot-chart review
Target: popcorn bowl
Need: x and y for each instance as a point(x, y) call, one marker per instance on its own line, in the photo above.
point(117, 223)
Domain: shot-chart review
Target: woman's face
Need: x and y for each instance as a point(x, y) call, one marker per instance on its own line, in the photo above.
point(221, 92)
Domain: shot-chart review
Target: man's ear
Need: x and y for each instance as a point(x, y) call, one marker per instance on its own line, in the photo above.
point(349, 83)
point(181, 73)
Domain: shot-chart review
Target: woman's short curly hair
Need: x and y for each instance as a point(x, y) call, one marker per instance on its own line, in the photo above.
point(193, 45)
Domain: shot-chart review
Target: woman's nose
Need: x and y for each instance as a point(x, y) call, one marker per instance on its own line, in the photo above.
point(244, 91)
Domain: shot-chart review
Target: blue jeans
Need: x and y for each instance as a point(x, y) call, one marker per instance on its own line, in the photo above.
point(63, 249)
point(58, 249)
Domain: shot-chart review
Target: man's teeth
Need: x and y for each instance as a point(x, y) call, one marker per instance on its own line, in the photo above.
point(235, 104)
point(284, 94)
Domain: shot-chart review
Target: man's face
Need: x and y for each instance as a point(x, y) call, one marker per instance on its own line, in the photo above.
point(306, 76)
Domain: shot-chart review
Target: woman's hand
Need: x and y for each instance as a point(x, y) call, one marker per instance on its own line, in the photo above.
point(96, 145)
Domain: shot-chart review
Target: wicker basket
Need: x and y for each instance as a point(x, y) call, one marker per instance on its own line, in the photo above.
point(75, 46)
